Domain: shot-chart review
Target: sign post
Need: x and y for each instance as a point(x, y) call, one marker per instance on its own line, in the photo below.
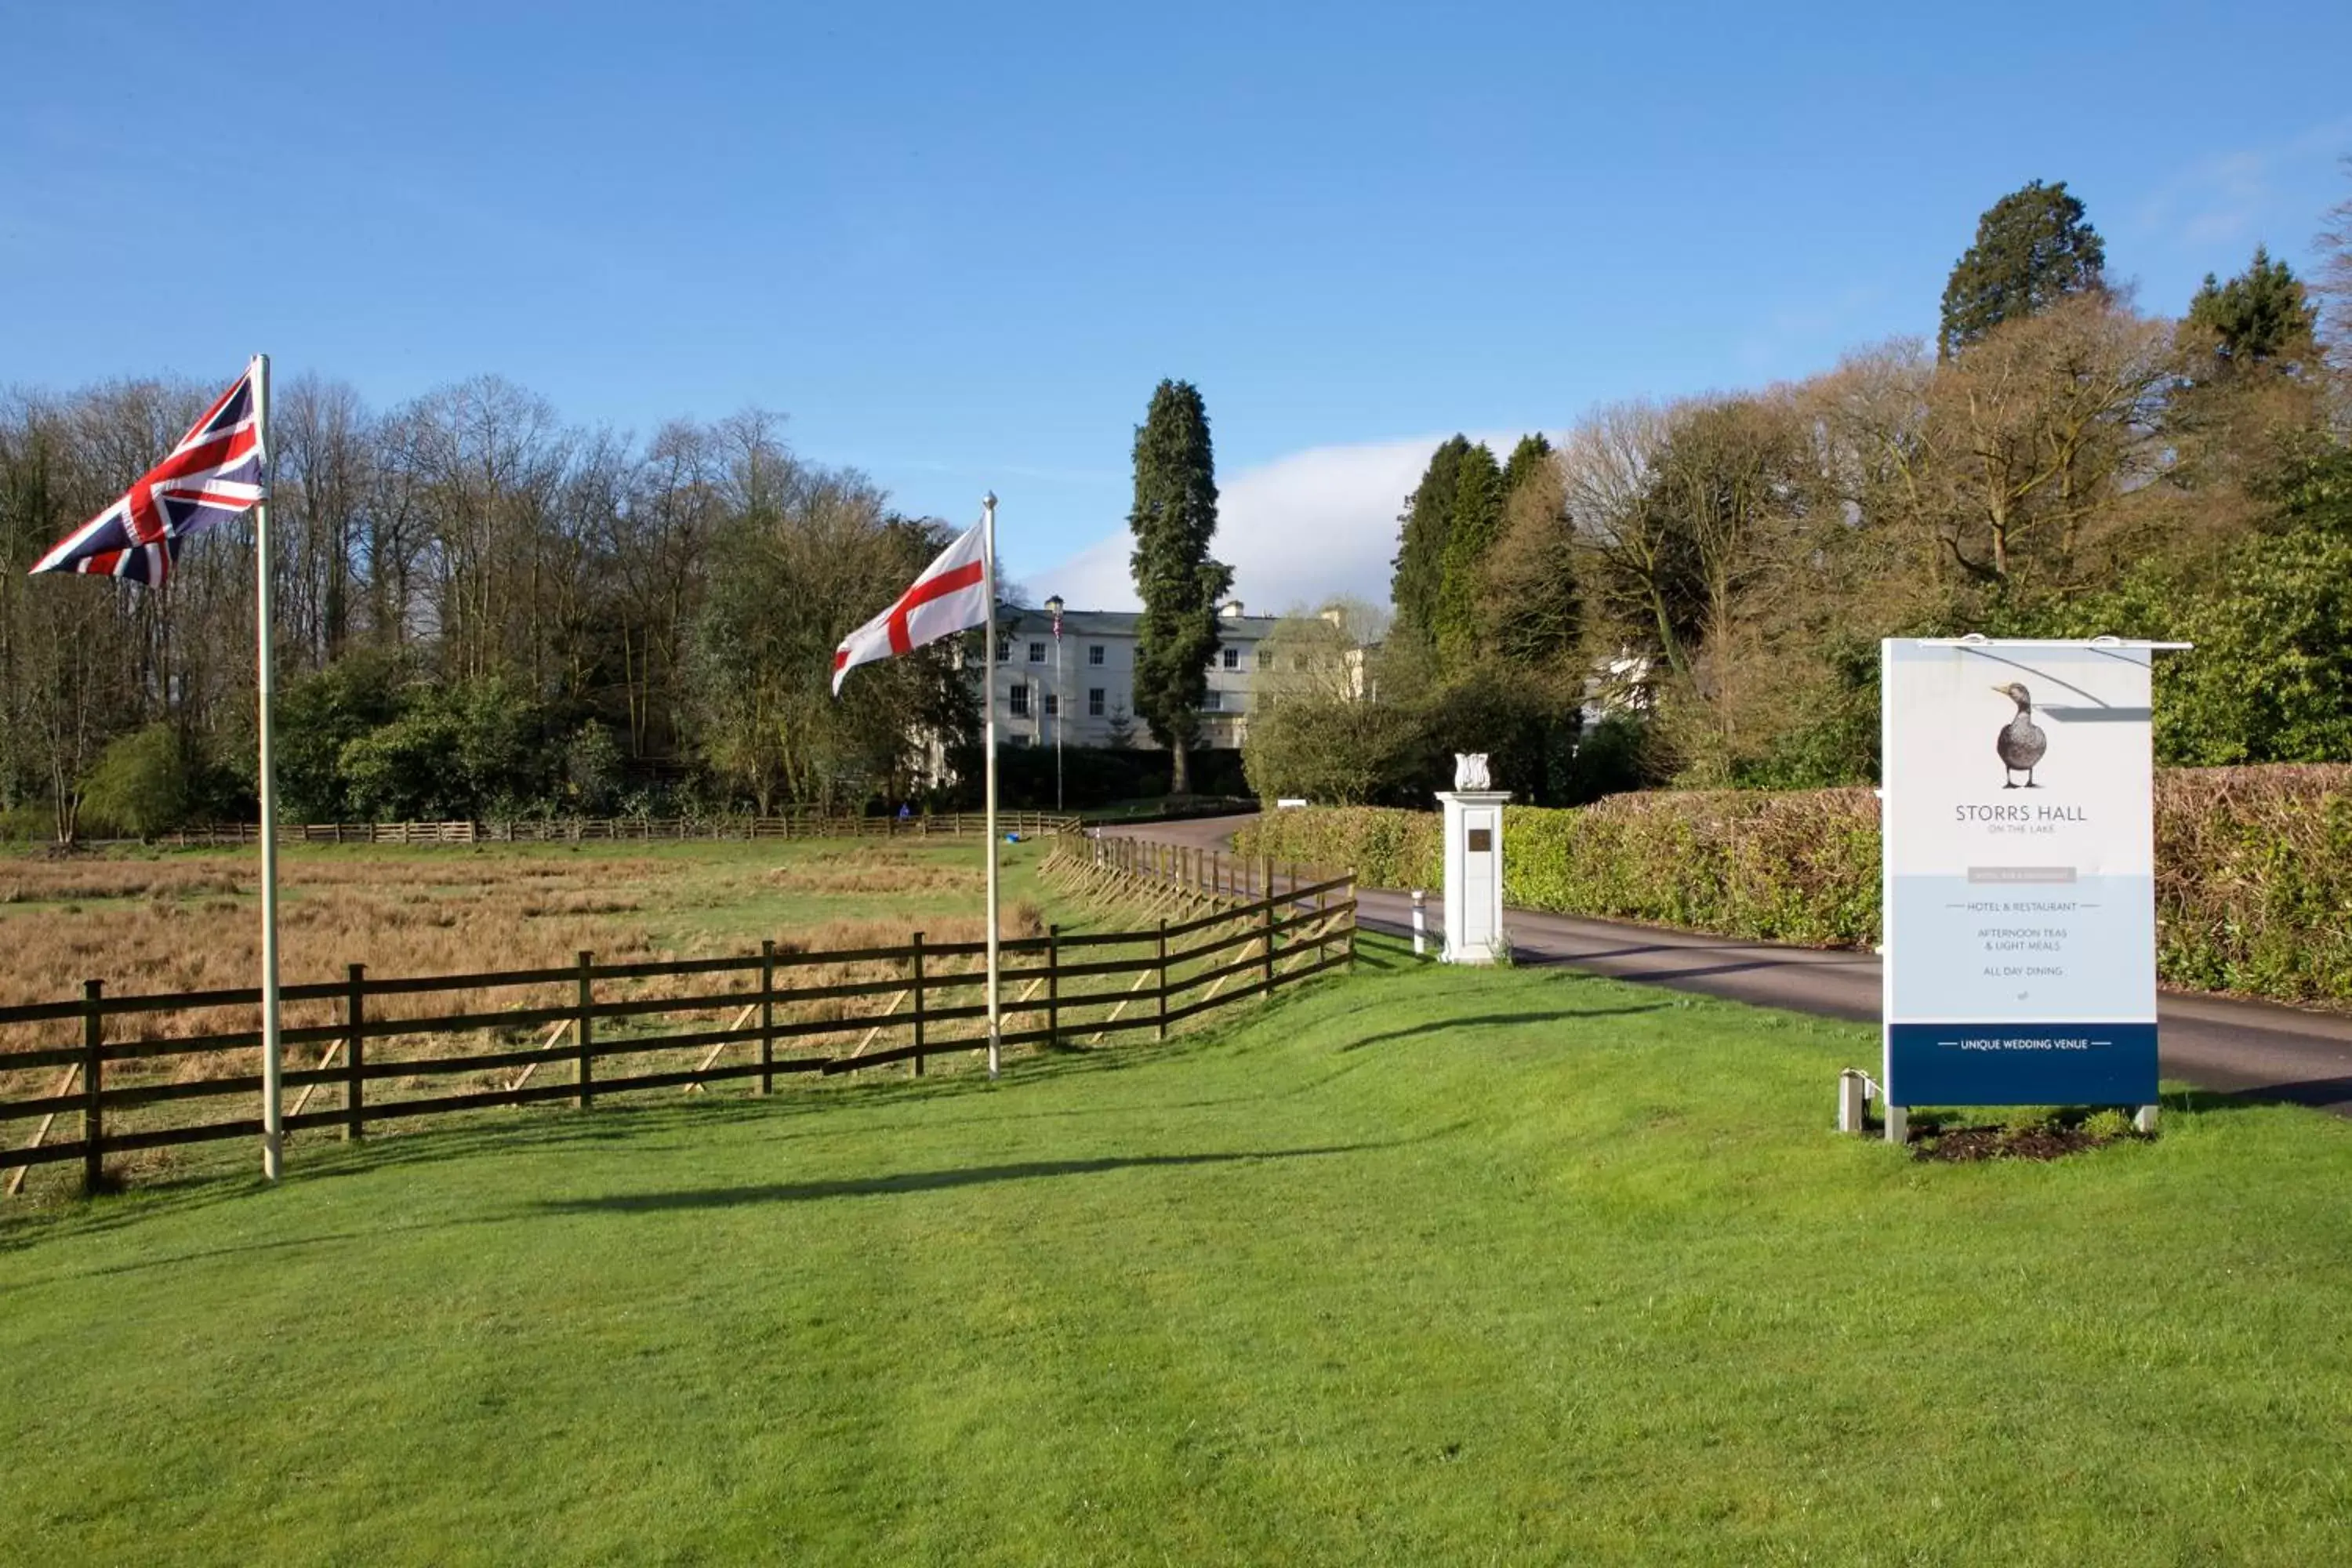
point(2018, 874)
point(1474, 865)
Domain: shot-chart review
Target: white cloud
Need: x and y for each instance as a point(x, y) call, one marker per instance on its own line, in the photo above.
point(2227, 199)
point(1296, 531)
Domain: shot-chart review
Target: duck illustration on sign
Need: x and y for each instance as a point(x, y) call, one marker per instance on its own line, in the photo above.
point(2021, 742)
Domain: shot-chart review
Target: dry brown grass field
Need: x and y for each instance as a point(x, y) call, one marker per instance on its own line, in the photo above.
point(188, 919)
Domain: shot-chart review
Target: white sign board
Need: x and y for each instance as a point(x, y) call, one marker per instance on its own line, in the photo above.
point(2020, 889)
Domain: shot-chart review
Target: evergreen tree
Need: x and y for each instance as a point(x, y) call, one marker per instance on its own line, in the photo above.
point(1477, 522)
point(2033, 247)
point(1174, 518)
point(1424, 526)
point(2260, 317)
point(1527, 463)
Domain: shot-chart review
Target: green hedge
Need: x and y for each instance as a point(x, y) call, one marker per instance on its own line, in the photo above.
point(2253, 868)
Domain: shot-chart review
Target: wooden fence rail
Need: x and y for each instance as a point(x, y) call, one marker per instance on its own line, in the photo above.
point(153, 1071)
point(600, 829)
point(1208, 874)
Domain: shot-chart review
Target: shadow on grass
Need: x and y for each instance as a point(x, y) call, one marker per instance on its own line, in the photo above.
point(2314, 1094)
point(1503, 1020)
point(279, 1243)
point(1530, 960)
point(920, 1181)
point(222, 1173)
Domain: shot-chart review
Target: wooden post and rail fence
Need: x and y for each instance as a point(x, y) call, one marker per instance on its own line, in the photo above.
point(160, 1070)
point(1215, 875)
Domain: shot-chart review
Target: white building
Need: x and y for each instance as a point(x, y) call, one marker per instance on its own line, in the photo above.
point(1086, 688)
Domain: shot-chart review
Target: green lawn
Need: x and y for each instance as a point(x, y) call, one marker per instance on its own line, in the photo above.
point(1423, 1266)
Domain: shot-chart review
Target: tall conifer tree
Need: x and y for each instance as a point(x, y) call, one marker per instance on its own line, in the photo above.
point(1477, 522)
point(2261, 316)
point(1527, 461)
point(2034, 247)
point(1423, 527)
point(1174, 519)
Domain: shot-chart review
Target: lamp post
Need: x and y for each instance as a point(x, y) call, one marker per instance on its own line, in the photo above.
point(1061, 710)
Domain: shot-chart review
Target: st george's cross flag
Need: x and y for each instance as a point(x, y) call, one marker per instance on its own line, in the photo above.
point(950, 596)
point(212, 475)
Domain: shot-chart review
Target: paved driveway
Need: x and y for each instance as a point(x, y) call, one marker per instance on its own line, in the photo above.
point(2250, 1048)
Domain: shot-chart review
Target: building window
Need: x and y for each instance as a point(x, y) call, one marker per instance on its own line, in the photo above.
point(1094, 653)
point(1264, 660)
point(1036, 652)
point(1095, 699)
point(1020, 700)
point(1213, 701)
point(1053, 705)
point(1233, 658)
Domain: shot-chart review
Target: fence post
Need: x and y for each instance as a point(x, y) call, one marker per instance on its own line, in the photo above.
point(93, 1065)
point(1164, 977)
point(586, 1028)
point(768, 1015)
point(1053, 988)
point(1266, 875)
point(917, 988)
point(355, 1052)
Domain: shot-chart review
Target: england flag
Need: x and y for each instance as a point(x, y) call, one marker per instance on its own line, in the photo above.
point(950, 596)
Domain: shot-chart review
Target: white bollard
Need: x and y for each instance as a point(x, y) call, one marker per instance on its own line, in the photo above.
point(2143, 1120)
point(1851, 1091)
point(1898, 1125)
point(1419, 923)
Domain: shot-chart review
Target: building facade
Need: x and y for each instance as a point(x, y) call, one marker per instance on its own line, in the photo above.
point(1082, 689)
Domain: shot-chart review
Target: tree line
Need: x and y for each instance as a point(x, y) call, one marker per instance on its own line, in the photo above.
point(482, 611)
point(1708, 579)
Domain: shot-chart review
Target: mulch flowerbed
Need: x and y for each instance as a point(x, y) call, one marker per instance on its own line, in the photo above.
point(2046, 1142)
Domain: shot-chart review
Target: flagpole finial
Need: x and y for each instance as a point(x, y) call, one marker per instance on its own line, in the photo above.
point(989, 501)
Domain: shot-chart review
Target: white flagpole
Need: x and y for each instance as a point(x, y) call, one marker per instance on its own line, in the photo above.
point(988, 697)
point(273, 1127)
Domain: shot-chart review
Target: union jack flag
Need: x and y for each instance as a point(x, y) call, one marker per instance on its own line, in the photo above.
point(212, 475)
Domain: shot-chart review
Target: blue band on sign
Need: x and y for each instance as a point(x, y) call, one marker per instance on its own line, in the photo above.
point(2021, 1064)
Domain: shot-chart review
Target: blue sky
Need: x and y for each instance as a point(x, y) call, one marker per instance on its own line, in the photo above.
point(957, 246)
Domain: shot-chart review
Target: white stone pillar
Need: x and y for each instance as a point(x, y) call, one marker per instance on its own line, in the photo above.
point(1473, 874)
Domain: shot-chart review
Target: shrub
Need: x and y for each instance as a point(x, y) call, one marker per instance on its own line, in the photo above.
point(2253, 885)
point(1387, 846)
point(2107, 1125)
point(140, 785)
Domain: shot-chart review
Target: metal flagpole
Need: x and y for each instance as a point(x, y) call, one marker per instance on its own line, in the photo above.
point(988, 698)
point(273, 1124)
point(1061, 711)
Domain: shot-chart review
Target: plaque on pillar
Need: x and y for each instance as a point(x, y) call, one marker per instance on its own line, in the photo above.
point(1474, 863)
